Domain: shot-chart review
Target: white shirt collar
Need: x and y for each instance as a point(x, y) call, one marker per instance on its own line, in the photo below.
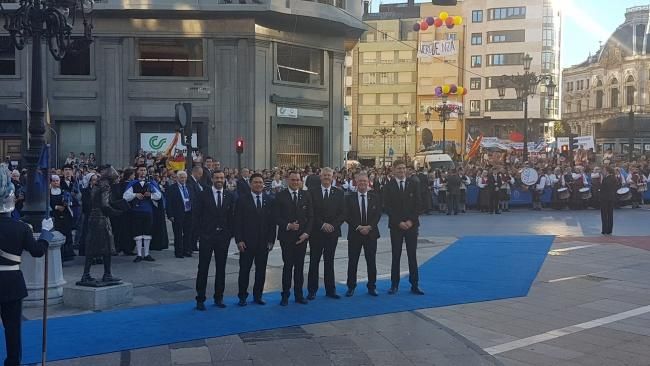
point(291, 191)
point(214, 190)
point(256, 194)
point(323, 188)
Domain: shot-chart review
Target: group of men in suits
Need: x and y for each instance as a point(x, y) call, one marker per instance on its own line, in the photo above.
point(298, 218)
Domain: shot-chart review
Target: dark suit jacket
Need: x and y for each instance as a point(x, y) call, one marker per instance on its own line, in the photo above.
point(206, 179)
point(16, 236)
point(210, 223)
point(312, 181)
point(175, 205)
point(453, 184)
point(402, 206)
point(331, 211)
point(608, 189)
point(194, 187)
point(493, 184)
point(353, 215)
point(256, 228)
point(286, 212)
point(243, 187)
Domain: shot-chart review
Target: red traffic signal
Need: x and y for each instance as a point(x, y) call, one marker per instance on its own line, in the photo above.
point(239, 146)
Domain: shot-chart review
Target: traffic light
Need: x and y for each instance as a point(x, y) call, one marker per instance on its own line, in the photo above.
point(444, 2)
point(239, 146)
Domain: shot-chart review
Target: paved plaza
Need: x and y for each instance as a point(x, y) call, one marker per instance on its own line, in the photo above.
point(589, 305)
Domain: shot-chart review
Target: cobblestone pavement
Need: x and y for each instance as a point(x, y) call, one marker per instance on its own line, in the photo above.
point(590, 305)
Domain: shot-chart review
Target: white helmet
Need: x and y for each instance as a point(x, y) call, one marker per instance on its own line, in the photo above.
point(7, 190)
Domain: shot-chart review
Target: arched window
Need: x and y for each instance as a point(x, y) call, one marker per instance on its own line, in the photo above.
point(629, 79)
point(630, 90)
point(599, 83)
point(613, 99)
point(599, 99)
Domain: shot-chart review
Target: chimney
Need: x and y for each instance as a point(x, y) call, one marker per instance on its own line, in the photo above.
point(366, 7)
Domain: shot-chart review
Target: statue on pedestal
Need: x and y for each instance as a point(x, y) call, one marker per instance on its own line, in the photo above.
point(99, 239)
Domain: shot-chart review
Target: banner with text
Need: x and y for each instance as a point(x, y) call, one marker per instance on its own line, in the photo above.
point(437, 48)
point(159, 142)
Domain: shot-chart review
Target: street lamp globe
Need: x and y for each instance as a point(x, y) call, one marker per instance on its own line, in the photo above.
point(427, 114)
point(520, 92)
point(501, 87)
point(527, 60)
point(550, 88)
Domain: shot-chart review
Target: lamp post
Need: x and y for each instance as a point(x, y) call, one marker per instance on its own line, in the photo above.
point(53, 21)
point(405, 124)
point(384, 132)
point(444, 111)
point(525, 86)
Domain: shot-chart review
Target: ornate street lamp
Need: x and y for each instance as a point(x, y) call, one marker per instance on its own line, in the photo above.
point(384, 132)
point(405, 125)
point(35, 20)
point(444, 111)
point(525, 86)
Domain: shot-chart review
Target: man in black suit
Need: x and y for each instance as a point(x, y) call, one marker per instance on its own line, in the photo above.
point(312, 180)
point(401, 201)
point(607, 195)
point(453, 192)
point(255, 232)
point(179, 211)
point(329, 214)
point(363, 211)
point(213, 222)
point(244, 183)
point(195, 187)
point(206, 180)
point(493, 186)
point(294, 214)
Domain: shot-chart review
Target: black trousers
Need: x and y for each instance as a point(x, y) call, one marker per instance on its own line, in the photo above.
point(183, 234)
point(452, 205)
point(607, 216)
point(293, 257)
point(219, 247)
point(370, 253)
point(11, 313)
point(397, 237)
point(322, 246)
point(494, 201)
point(259, 255)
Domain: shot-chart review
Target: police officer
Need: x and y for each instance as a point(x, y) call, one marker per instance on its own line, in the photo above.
point(15, 236)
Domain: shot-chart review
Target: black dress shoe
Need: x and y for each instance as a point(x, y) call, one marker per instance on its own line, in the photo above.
point(242, 302)
point(259, 301)
point(302, 301)
point(392, 291)
point(333, 295)
point(219, 304)
point(200, 305)
point(372, 292)
point(149, 258)
point(188, 255)
point(349, 293)
point(137, 259)
point(179, 256)
point(416, 290)
point(311, 296)
point(285, 301)
point(109, 278)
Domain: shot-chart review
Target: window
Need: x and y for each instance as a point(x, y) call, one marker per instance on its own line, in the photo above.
point(548, 60)
point(170, 57)
point(474, 107)
point(404, 99)
point(387, 57)
point(614, 98)
point(493, 82)
point(505, 59)
point(369, 99)
point(518, 12)
point(386, 99)
point(404, 77)
point(507, 36)
point(548, 37)
point(405, 56)
point(7, 57)
point(386, 78)
point(299, 64)
point(475, 84)
point(76, 63)
point(477, 39)
point(504, 105)
point(629, 95)
point(569, 107)
point(477, 16)
point(369, 78)
point(369, 57)
point(476, 61)
point(599, 99)
point(369, 37)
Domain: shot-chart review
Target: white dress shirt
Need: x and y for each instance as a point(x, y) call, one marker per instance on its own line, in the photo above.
point(214, 195)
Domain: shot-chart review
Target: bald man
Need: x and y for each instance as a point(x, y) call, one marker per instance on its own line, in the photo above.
point(179, 212)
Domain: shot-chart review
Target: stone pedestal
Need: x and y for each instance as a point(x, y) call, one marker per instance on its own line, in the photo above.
point(97, 298)
point(34, 273)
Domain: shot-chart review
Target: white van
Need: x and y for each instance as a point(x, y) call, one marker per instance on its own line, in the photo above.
point(433, 160)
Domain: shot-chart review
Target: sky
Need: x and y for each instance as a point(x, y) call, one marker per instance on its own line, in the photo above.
point(584, 24)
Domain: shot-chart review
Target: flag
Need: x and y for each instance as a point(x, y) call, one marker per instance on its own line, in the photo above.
point(475, 148)
point(468, 143)
point(170, 149)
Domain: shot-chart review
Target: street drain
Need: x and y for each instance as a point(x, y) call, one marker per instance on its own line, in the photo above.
point(275, 335)
point(595, 278)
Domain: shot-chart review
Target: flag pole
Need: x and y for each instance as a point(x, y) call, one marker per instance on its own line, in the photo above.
point(46, 267)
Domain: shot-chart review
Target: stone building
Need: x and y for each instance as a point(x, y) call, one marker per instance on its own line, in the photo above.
point(268, 71)
point(599, 93)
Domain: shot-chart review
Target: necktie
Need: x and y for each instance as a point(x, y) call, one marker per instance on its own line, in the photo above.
point(186, 198)
point(364, 213)
point(295, 198)
point(401, 185)
point(259, 204)
point(327, 193)
point(218, 199)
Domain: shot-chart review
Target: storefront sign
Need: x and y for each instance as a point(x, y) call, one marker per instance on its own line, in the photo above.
point(287, 112)
point(437, 48)
point(159, 142)
point(587, 142)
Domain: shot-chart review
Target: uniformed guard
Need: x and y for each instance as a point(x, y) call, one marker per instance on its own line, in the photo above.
point(15, 236)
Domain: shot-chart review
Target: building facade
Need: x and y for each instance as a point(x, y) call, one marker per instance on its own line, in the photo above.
point(384, 75)
point(598, 94)
point(499, 33)
point(270, 72)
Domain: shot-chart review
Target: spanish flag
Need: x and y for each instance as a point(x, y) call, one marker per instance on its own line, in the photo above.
point(475, 148)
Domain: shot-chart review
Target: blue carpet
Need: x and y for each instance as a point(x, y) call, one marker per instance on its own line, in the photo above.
point(472, 269)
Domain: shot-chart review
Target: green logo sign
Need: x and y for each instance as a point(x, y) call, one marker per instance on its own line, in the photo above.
point(156, 145)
